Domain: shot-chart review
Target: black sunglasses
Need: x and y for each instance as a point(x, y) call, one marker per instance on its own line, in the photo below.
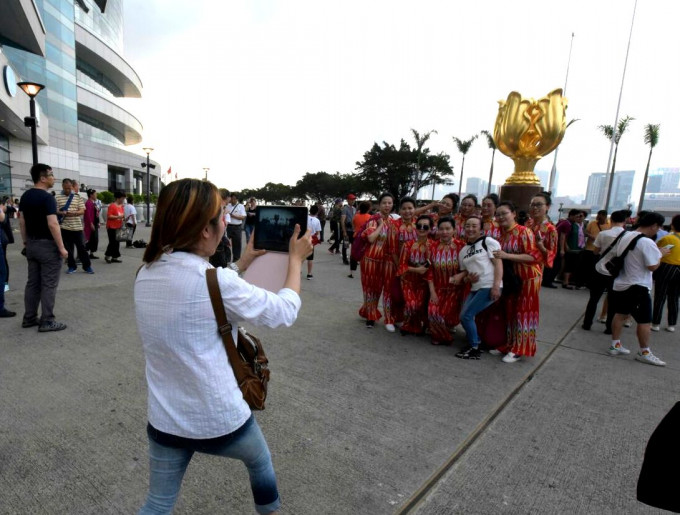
point(422, 227)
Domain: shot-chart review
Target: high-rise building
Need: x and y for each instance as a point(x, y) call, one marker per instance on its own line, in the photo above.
point(477, 187)
point(544, 177)
point(75, 49)
point(654, 183)
point(622, 188)
point(670, 177)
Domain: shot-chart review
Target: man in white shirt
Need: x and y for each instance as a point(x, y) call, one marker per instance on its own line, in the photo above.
point(237, 214)
point(601, 280)
point(314, 225)
point(630, 293)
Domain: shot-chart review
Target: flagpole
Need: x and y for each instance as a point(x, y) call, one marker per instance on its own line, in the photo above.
point(553, 172)
point(609, 176)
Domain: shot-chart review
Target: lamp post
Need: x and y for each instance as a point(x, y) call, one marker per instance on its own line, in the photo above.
point(206, 170)
point(32, 89)
point(148, 167)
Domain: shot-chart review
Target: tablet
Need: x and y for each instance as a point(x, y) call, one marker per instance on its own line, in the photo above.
point(274, 226)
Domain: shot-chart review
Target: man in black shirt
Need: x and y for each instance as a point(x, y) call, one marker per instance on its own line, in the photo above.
point(44, 250)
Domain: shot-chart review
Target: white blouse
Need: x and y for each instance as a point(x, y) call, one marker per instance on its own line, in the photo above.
point(192, 389)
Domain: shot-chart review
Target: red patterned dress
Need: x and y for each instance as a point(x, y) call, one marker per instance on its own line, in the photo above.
point(459, 231)
point(378, 270)
point(549, 234)
point(491, 228)
point(445, 314)
point(522, 308)
point(414, 286)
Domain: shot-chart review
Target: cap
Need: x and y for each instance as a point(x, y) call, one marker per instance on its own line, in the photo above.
point(338, 200)
point(351, 196)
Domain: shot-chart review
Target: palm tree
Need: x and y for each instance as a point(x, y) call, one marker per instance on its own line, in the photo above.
point(463, 147)
point(651, 139)
point(420, 143)
point(492, 146)
point(609, 133)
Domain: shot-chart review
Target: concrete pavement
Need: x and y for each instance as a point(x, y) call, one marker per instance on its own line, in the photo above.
point(358, 421)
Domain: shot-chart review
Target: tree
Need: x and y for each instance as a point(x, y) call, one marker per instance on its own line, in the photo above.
point(492, 146)
point(611, 135)
point(651, 139)
point(392, 169)
point(276, 193)
point(420, 143)
point(463, 148)
point(323, 186)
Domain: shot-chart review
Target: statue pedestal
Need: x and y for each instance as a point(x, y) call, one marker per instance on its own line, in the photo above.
point(520, 194)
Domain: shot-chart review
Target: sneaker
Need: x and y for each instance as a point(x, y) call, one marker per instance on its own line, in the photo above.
point(370, 324)
point(350, 276)
point(29, 323)
point(670, 328)
point(70, 271)
point(6, 313)
point(495, 352)
point(107, 259)
point(617, 349)
point(511, 357)
point(627, 323)
point(469, 352)
point(602, 320)
point(6, 287)
point(656, 328)
point(51, 326)
point(649, 358)
point(89, 270)
point(116, 260)
point(309, 276)
point(390, 328)
point(92, 256)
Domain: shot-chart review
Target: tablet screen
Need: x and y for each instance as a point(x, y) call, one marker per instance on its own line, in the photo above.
point(274, 226)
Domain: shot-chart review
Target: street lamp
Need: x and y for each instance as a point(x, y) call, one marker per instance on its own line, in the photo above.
point(32, 89)
point(148, 167)
point(206, 170)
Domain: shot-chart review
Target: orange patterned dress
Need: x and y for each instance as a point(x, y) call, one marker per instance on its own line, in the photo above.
point(522, 308)
point(549, 234)
point(414, 286)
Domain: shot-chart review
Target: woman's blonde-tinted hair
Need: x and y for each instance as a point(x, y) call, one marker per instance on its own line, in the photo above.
point(183, 209)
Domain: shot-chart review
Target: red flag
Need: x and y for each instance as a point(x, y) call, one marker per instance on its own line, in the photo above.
point(169, 170)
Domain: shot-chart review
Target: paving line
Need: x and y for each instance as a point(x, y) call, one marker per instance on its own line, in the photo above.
point(420, 495)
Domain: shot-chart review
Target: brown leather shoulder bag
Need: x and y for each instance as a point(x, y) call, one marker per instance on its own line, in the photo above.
point(248, 360)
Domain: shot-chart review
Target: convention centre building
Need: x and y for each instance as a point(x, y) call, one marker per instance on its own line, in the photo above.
point(74, 48)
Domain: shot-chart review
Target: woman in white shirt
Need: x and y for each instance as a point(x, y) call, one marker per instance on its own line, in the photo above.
point(194, 402)
point(130, 212)
point(485, 273)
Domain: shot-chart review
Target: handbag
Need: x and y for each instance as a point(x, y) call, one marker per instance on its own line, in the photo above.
point(248, 360)
point(615, 265)
point(123, 233)
point(512, 283)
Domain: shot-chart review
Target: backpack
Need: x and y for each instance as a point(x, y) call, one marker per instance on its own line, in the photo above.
point(359, 244)
point(615, 264)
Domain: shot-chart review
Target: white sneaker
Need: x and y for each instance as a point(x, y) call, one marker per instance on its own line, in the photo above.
point(495, 352)
point(670, 328)
point(650, 359)
point(656, 328)
point(390, 328)
point(510, 357)
point(628, 323)
point(618, 349)
point(602, 320)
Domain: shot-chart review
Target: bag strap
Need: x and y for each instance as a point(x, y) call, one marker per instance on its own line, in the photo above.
point(66, 206)
point(613, 244)
point(631, 246)
point(223, 325)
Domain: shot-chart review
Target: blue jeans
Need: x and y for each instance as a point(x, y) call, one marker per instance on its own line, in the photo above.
point(476, 302)
point(249, 231)
point(169, 457)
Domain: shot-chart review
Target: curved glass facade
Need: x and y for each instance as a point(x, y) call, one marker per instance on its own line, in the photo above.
point(108, 26)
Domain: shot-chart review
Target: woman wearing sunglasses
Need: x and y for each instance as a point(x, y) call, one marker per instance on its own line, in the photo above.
point(413, 266)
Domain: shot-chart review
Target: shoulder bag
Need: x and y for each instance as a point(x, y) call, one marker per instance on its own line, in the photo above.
point(248, 360)
point(615, 264)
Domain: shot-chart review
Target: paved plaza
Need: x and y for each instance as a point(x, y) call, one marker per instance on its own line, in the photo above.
point(358, 421)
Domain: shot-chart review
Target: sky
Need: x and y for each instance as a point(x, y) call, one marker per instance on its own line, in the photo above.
point(266, 90)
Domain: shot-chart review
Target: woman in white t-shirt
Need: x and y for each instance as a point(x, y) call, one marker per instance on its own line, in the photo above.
point(485, 273)
point(130, 213)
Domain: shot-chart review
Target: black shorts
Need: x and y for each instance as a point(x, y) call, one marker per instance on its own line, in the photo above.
point(634, 301)
point(311, 256)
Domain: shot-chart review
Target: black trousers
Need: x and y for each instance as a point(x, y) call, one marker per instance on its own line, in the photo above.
point(666, 287)
point(335, 229)
point(128, 243)
point(113, 249)
point(234, 233)
point(345, 245)
point(598, 284)
point(93, 243)
point(75, 239)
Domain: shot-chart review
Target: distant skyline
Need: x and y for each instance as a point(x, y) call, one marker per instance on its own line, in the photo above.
point(264, 91)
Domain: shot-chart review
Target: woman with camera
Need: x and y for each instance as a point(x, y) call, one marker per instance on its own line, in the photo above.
point(194, 401)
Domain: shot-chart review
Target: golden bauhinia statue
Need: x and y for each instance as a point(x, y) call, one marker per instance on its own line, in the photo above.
point(527, 130)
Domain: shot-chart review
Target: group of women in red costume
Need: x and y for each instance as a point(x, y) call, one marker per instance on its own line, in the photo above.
point(414, 263)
